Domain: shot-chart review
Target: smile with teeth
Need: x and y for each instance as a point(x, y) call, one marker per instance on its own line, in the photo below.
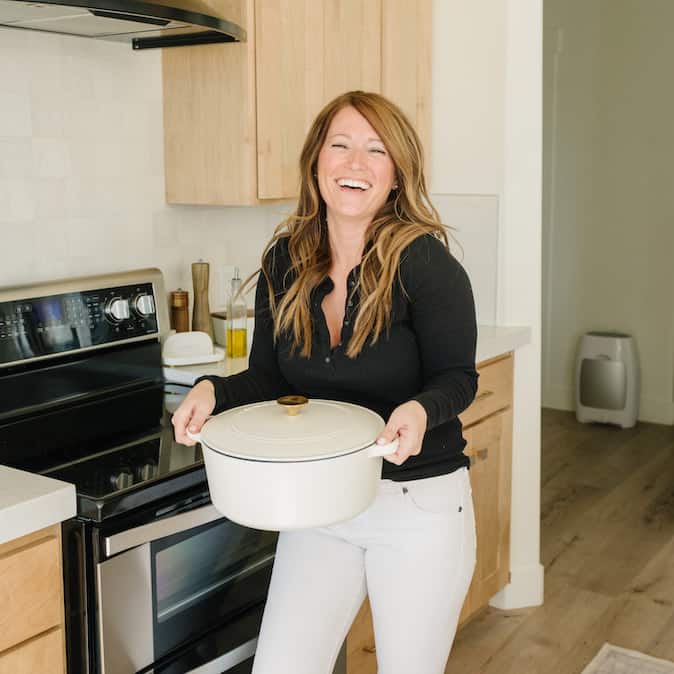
point(354, 184)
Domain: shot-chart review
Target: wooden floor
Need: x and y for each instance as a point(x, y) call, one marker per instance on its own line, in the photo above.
point(607, 544)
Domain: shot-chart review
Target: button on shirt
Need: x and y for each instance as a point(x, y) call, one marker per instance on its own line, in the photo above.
point(428, 354)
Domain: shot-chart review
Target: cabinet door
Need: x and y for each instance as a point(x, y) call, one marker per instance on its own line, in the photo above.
point(31, 594)
point(42, 654)
point(361, 657)
point(308, 52)
point(489, 449)
point(406, 63)
point(209, 117)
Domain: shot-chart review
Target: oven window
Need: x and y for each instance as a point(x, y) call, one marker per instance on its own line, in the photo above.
point(206, 563)
point(205, 577)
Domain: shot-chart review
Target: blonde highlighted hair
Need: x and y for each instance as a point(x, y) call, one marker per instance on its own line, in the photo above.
point(406, 215)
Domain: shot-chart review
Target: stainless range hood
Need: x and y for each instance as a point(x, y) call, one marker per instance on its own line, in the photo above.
point(143, 23)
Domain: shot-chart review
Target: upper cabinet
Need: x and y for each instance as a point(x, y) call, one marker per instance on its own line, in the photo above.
point(236, 115)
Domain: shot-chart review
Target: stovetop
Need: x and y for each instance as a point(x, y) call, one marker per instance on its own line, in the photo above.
point(82, 395)
point(120, 477)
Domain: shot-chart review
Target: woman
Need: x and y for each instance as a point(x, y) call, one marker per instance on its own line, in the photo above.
point(359, 300)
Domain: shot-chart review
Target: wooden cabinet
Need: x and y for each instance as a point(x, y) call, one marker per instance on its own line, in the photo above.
point(489, 449)
point(236, 115)
point(488, 433)
point(307, 52)
point(31, 596)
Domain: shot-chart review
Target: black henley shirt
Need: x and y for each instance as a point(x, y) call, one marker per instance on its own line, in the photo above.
point(428, 354)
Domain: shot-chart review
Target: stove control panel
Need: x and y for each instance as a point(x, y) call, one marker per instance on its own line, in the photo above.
point(36, 327)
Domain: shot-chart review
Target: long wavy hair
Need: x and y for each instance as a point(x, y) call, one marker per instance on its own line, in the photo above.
point(406, 215)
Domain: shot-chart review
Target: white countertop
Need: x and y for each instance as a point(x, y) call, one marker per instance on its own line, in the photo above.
point(492, 341)
point(29, 502)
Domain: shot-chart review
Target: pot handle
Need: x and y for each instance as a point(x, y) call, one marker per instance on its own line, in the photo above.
point(375, 451)
point(193, 436)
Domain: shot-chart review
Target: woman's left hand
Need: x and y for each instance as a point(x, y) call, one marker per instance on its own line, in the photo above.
point(407, 423)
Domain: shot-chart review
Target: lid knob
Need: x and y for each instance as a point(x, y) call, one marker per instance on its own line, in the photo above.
point(292, 404)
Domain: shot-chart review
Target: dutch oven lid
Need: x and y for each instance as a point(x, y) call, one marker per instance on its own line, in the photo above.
point(292, 429)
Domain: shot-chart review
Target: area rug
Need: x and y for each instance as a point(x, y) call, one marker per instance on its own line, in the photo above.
point(616, 660)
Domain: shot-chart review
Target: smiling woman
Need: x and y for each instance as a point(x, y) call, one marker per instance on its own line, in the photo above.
point(354, 170)
point(360, 301)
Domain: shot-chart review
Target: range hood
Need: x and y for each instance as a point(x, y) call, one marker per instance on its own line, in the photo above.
point(143, 23)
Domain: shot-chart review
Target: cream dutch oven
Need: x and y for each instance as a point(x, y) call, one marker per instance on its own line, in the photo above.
point(293, 463)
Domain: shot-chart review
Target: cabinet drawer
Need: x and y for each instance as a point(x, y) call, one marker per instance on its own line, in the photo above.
point(494, 390)
point(43, 654)
point(30, 591)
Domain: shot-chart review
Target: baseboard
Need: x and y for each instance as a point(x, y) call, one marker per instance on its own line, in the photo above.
point(651, 410)
point(524, 589)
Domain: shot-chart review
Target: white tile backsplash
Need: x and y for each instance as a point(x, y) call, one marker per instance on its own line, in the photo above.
point(474, 219)
point(51, 158)
point(16, 157)
point(81, 169)
point(17, 202)
point(50, 198)
point(15, 119)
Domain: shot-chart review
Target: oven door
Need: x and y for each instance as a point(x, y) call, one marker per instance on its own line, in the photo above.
point(175, 586)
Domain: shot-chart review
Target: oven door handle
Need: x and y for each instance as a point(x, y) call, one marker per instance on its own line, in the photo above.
point(152, 531)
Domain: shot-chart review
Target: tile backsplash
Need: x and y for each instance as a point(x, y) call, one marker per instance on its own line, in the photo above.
point(82, 185)
point(81, 170)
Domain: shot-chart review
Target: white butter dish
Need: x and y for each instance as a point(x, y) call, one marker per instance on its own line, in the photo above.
point(190, 348)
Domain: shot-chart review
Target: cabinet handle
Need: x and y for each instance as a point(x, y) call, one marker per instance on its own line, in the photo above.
point(483, 396)
point(482, 454)
point(370, 649)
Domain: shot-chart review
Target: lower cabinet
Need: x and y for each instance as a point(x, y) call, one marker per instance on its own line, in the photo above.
point(31, 604)
point(488, 433)
point(361, 656)
point(489, 449)
point(42, 654)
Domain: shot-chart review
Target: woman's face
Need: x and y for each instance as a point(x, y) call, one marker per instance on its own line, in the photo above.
point(355, 172)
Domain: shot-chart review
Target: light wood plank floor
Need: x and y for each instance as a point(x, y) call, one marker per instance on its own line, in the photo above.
point(607, 544)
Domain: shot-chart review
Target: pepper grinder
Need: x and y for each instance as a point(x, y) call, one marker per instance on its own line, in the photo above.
point(201, 313)
point(180, 310)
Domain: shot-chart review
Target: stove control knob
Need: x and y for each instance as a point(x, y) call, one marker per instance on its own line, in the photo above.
point(144, 305)
point(117, 309)
point(122, 480)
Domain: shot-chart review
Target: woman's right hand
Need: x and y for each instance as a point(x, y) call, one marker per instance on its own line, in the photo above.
point(193, 412)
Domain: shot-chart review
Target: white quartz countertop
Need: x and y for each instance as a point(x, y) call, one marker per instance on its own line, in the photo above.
point(495, 340)
point(30, 502)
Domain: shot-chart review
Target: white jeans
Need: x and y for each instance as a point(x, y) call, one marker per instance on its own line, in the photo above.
point(412, 551)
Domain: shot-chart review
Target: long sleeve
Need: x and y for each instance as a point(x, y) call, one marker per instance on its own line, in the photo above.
point(443, 318)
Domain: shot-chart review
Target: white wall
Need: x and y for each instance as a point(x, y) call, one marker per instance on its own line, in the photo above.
point(609, 206)
point(487, 63)
point(469, 43)
point(519, 288)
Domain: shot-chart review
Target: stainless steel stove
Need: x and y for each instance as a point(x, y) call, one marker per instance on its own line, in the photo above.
point(155, 579)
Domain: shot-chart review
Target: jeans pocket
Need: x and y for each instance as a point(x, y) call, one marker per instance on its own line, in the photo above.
point(436, 495)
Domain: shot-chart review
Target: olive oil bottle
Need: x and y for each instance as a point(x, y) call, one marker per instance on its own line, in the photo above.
point(237, 338)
